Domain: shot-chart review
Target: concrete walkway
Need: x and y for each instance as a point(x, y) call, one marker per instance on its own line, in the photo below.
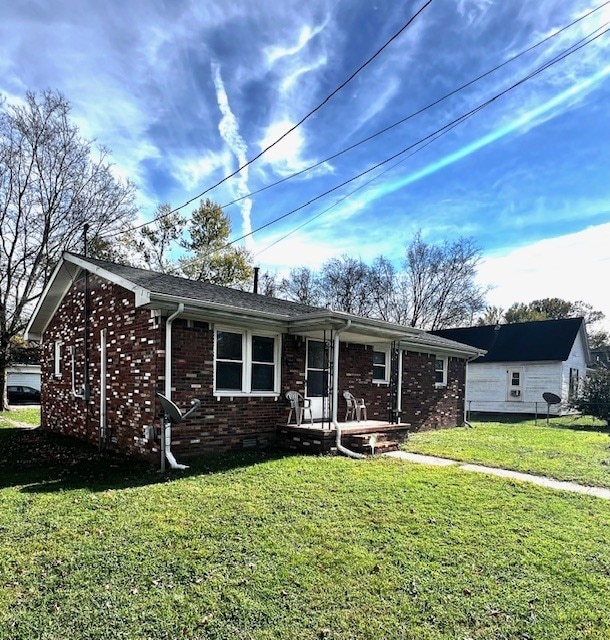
point(598, 492)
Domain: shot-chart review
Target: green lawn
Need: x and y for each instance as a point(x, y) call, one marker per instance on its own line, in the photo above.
point(25, 415)
point(296, 547)
point(569, 448)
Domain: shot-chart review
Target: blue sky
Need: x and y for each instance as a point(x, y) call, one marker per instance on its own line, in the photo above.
point(185, 91)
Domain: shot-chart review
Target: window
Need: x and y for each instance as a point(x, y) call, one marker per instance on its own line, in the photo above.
point(515, 384)
point(381, 366)
point(440, 371)
point(263, 363)
point(246, 362)
point(574, 379)
point(57, 359)
point(229, 361)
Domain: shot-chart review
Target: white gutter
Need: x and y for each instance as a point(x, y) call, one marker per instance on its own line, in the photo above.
point(340, 447)
point(166, 442)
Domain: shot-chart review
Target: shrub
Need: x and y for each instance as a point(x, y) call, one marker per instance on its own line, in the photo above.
point(594, 396)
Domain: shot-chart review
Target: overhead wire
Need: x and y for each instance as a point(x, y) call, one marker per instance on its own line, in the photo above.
point(310, 113)
point(418, 112)
point(567, 52)
point(442, 130)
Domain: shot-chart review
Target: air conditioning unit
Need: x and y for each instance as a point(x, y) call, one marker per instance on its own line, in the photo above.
point(515, 393)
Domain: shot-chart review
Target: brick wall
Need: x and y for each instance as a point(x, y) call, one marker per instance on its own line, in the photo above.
point(132, 357)
point(225, 422)
point(423, 404)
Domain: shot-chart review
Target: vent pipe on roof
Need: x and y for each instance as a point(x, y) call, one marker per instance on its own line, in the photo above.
point(255, 286)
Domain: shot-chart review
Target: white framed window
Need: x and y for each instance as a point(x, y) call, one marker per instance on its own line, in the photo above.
point(57, 358)
point(440, 371)
point(246, 362)
point(381, 365)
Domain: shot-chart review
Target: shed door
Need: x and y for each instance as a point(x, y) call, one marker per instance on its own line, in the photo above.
point(514, 383)
point(316, 378)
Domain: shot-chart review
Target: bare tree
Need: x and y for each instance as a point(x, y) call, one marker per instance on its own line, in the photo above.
point(301, 285)
point(386, 291)
point(440, 283)
point(52, 183)
point(345, 285)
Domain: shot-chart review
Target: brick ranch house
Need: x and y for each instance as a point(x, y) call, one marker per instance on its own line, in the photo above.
point(114, 336)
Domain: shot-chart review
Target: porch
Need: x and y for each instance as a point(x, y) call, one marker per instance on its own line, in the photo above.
point(370, 436)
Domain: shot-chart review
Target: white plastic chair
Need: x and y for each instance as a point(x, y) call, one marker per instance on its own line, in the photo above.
point(356, 408)
point(298, 405)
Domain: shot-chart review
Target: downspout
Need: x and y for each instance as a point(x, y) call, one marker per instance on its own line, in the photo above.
point(468, 360)
point(399, 398)
point(166, 442)
point(340, 447)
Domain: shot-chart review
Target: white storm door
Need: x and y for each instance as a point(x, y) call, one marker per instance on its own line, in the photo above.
point(316, 378)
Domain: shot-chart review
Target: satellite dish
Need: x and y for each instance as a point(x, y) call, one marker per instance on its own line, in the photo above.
point(170, 409)
point(551, 398)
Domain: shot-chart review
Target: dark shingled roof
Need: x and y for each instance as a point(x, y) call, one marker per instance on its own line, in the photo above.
point(521, 341)
point(203, 291)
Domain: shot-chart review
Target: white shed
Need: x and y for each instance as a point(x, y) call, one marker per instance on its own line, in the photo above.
point(523, 361)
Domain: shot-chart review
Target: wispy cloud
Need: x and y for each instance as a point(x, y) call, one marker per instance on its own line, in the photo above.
point(307, 32)
point(229, 131)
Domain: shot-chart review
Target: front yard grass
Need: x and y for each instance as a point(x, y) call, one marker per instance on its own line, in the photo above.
point(265, 547)
point(569, 448)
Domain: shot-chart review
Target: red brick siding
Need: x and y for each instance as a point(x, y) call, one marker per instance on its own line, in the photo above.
point(132, 354)
point(224, 422)
point(424, 405)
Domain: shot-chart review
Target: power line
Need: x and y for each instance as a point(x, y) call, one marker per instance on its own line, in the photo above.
point(415, 113)
point(295, 126)
point(567, 52)
point(382, 131)
point(358, 188)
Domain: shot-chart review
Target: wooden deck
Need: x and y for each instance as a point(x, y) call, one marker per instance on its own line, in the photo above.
point(367, 436)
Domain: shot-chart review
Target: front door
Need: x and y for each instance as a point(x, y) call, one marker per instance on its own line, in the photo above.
point(316, 378)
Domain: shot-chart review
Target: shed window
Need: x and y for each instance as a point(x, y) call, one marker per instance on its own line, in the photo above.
point(574, 379)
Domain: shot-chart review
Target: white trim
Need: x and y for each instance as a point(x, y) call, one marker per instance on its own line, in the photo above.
point(103, 370)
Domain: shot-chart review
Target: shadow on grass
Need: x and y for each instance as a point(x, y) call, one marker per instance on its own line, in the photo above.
point(42, 462)
point(572, 422)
